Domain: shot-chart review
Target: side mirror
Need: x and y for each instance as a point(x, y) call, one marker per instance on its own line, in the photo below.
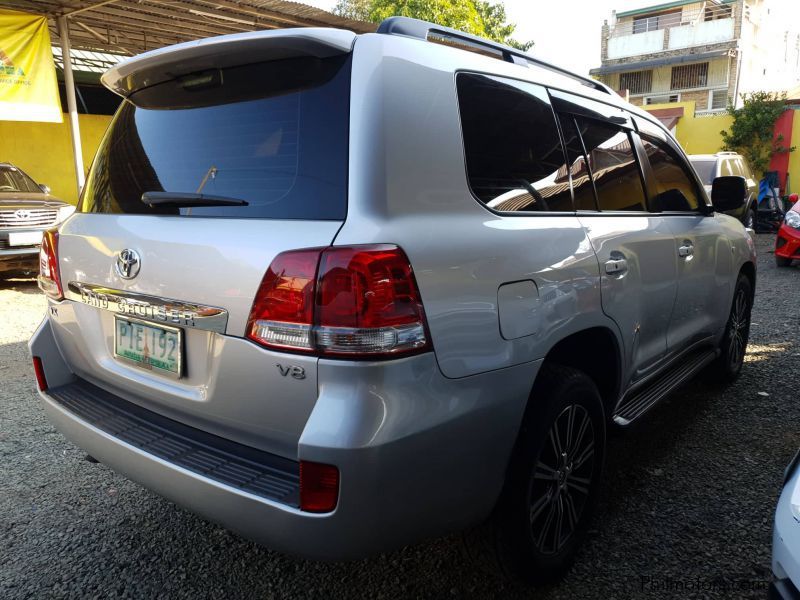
point(44, 188)
point(728, 193)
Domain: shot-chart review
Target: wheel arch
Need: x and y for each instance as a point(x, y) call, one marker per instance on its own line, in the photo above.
point(748, 269)
point(595, 351)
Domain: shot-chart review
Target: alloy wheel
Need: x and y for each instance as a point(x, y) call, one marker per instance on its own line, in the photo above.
point(739, 326)
point(562, 479)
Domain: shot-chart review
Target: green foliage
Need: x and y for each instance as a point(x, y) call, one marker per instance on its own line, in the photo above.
point(358, 10)
point(751, 133)
point(478, 17)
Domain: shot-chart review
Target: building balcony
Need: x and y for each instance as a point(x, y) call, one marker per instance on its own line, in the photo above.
point(690, 26)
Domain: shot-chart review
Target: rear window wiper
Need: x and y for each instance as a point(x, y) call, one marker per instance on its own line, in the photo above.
point(186, 200)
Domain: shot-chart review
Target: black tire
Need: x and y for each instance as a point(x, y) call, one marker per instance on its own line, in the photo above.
point(727, 367)
point(552, 485)
point(781, 261)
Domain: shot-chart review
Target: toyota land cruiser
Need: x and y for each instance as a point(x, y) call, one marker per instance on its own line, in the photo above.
point(341, 293)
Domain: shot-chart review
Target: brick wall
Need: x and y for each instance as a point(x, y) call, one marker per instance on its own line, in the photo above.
point(700, 99)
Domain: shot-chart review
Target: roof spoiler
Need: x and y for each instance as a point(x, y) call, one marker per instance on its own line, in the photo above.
point(165, 64)
point(424, 30)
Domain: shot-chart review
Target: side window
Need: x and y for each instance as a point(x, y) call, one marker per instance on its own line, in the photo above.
point(675, 190)
point(514, 157)
point(582, 190)
point(612, 161)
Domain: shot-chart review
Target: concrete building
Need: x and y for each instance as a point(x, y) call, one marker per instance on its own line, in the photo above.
point(706, 52)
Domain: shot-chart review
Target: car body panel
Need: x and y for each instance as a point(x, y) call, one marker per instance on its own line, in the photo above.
point(704, 279)
point(786, 533)
point(422, 442)
point(787, 240)
point(394, 444)
point(231, 387)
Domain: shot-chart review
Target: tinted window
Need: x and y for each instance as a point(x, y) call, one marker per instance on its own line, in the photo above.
point(273, 134)
point(675, 191)
point(706, 170)
point(513, 152)
point(583, 192)
point(14, 180)
point(613, 165)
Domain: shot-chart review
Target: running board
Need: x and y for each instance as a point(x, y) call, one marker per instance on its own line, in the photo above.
point(640, 399)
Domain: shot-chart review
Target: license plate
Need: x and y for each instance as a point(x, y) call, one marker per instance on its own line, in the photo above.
point(24, 238)
point(153, 348)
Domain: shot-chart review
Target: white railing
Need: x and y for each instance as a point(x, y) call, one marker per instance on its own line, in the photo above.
point(707, 12)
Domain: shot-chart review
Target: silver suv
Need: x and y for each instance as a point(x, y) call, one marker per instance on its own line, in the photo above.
point(341, 293)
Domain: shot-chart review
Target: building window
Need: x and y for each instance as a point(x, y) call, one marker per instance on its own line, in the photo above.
point(662, 99)
point(718, 100)
point(689, 76)
point(636, 82)
point(654, 22)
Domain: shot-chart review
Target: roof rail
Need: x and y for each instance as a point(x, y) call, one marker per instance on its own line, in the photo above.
point(424, 30)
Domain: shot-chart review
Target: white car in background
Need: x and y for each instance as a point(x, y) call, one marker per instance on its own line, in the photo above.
point(786, 537)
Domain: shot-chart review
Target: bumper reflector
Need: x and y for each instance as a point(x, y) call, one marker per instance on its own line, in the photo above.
point(319, 487)
point(41, 381)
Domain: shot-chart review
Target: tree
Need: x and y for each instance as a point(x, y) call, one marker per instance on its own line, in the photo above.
point(751, 133)
point(478, 17)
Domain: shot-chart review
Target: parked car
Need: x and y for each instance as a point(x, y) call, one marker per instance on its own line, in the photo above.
point(355, 305)
point(711, 166)
point(786, 537)
point(787, 240)
point(26, 210)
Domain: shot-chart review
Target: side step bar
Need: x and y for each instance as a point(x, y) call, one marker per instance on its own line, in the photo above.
point(640, 399)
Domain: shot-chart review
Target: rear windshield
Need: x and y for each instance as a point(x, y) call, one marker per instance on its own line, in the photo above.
point(705, 170)
point(272, 134)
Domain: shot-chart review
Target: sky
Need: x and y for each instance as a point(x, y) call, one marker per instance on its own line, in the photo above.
point(567, 32)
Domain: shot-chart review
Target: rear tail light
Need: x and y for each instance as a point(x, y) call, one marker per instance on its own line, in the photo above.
point(38, 369)
point(319, 487)
point(349, 301)
point(49, 276)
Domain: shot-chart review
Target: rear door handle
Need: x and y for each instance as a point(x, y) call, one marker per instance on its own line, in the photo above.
point(616, 266)
point(687, 249)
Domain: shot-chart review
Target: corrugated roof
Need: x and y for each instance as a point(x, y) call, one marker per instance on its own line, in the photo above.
point(129, 27)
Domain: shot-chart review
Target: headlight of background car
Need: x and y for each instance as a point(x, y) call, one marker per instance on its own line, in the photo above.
point(66, 211)
point(793, 219)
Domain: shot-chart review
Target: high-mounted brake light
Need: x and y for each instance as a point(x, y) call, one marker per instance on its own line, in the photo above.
point(348, 301)
point(49, 275)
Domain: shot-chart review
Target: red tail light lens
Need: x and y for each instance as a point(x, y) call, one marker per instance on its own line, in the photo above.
point(319, 487)
point(368, 302)
point(283, 311)
point(353, 301)
point(38, 369)
point(49, 276)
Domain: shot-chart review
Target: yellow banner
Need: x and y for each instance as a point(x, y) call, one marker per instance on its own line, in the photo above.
point(28, 85)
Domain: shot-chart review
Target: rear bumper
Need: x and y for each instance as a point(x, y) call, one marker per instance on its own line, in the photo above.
point(411, 466)
point(787, 242)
